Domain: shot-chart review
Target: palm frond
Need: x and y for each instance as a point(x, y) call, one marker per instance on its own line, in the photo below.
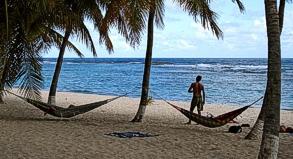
point(136, 14)
point(202, 10)
point(21, 51)
point(71, 47)
point(159, 14)
point(82, 33)
point(240, 5)
point(32, 79)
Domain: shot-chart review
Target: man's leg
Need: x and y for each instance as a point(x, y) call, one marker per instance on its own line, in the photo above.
point(191, 110)
point(199, 106)
point(192, 106)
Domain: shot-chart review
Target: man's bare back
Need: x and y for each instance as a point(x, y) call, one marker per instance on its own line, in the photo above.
point(196, 89)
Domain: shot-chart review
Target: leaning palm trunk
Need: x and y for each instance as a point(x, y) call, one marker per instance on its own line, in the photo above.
point(53, 88)
point(257, 129)
point(2, 94)
point(270, 138)
point(147, 69)
point(2, 83)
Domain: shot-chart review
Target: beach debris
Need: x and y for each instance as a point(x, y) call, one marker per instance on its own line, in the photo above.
point(150, 101)
point(235, 129)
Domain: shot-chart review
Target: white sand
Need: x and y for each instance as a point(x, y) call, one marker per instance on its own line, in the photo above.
point(27, 133)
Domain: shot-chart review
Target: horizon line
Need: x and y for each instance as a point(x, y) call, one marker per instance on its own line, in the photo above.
point(177, 57)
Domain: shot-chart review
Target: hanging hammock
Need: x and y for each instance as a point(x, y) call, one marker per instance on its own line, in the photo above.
point(66, 112)
point(214, 121)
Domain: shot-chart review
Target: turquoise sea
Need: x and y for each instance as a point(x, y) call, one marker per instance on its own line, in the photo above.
point(229, 81)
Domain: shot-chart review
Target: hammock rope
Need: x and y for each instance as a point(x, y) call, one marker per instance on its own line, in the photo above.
point(69, 112)
point(208, 121)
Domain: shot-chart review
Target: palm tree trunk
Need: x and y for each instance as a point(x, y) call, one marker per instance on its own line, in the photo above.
point(281, 14)
point(3, 78)
point(270, 138)
point(257, 129)
point(53, 88)
point(147, 69)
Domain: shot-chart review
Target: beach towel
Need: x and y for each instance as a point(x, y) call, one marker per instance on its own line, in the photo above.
point(130, 134)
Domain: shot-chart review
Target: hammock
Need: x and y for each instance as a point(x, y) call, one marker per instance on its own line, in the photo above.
point(215, 121)
point(66, 112)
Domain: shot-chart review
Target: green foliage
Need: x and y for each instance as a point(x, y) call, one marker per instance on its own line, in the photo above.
point(20, 51)
point(33, 27)
point(150, 101)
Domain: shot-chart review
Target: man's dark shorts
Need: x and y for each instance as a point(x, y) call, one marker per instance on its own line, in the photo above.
point(196, 102)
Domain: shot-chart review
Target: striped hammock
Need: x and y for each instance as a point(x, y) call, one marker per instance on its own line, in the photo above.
point(211, 122)
point(214, 121)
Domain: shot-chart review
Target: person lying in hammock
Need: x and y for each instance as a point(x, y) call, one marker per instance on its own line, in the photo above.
point(283, 129)
point(50, 109)
point(218, 120)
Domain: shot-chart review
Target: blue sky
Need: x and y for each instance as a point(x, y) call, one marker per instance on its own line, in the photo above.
point(244, 35)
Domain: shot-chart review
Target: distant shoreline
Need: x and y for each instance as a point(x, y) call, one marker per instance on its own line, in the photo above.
point(162, 58)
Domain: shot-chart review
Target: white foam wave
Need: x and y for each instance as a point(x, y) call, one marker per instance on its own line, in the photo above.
point(253, 66)
point(135, 62)
point(48, 62)
point(204, 65)
point(168, 65)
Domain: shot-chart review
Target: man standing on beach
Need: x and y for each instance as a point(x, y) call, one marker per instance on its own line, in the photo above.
point(198, 100)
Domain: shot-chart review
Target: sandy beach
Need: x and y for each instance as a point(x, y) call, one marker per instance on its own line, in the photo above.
point(27, 133)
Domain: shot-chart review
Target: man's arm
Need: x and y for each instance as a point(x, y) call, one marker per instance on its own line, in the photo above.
point(190, 89)
point(204, 95)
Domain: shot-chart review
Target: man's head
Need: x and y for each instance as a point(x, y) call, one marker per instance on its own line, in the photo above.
point(198, 78)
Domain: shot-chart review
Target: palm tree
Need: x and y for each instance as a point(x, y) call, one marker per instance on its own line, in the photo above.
point(194, 8)
point(79, 11)
point(256, 130)
point(156, 10)
point(54, 15)
point(21, 44)
point(31, 31)
point(127, 16)
point(270, 138)
point(129, 22)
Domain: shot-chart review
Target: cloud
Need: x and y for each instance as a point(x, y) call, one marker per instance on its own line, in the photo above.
point(244, 35)
point(257, 22)
point(184, 44)
point(200, 32)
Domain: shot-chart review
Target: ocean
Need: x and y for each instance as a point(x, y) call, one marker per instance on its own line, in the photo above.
point(229, 81)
